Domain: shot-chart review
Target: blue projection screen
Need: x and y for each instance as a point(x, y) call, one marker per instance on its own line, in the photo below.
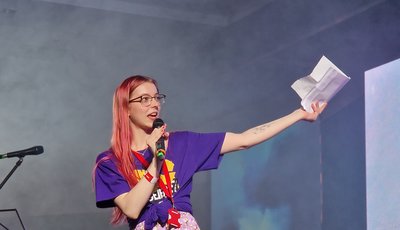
point(275, 185)
point(382, 116)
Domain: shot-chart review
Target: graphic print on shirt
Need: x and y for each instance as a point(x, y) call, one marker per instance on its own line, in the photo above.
point(158, 193)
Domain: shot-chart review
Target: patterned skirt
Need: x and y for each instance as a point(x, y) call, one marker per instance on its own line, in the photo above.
point(187, 221)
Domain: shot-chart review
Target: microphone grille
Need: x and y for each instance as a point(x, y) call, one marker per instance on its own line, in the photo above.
point(38, 149)
point(158, 123)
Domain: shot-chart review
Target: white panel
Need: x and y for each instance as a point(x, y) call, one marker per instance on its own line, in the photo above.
point(382, 106)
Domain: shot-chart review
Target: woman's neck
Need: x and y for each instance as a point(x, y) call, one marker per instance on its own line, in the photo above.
point(139, 137)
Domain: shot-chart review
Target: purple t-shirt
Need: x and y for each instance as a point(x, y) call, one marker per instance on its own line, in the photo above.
point(187, 153)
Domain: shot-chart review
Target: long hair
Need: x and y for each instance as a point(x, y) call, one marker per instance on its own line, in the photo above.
point(121, 135)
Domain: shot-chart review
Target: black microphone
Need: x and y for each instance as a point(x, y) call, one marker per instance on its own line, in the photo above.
point(160, 146)
point(36, 150)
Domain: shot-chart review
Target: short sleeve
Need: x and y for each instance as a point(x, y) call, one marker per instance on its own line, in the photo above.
point(109, 183)
point(205, 150)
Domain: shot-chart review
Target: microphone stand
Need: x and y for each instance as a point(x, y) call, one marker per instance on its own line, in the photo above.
point(19, 162)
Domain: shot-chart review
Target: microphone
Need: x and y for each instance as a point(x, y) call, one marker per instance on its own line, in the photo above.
point(36, 150)
point(160, 146)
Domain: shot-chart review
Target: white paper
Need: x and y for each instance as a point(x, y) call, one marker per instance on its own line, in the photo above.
point(324, 82)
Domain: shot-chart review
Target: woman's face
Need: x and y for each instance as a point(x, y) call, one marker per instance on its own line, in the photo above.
point(141, 116)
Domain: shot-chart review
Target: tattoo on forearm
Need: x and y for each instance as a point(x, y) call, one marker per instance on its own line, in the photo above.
point(261, 128)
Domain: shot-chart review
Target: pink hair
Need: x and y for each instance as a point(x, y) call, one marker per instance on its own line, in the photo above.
point(121, 135)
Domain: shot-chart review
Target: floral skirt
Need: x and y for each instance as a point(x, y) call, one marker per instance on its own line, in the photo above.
point(186, 220)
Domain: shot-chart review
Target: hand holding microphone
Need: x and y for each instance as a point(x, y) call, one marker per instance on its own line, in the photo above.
point(160, 143)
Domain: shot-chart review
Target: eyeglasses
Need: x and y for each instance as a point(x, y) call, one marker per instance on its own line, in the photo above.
point(146, 100)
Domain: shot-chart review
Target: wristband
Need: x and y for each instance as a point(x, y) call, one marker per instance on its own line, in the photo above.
point(150, 178)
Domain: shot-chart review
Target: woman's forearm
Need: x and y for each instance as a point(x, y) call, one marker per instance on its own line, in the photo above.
point(132, 202)
point(258, 134)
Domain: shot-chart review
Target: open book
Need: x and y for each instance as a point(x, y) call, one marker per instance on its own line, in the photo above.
point(321, 85)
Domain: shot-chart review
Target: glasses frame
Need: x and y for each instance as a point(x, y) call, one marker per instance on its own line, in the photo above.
point(140, 99)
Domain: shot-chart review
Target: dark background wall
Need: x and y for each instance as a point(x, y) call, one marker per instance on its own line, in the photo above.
point(59, 65)
point(356, 40)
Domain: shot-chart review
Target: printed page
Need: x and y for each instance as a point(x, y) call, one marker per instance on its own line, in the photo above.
point(324, 82)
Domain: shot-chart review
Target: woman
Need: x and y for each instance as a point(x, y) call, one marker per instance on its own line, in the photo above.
point(154, 193)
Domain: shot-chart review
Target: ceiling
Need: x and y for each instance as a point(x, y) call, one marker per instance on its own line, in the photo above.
point(212, 12)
